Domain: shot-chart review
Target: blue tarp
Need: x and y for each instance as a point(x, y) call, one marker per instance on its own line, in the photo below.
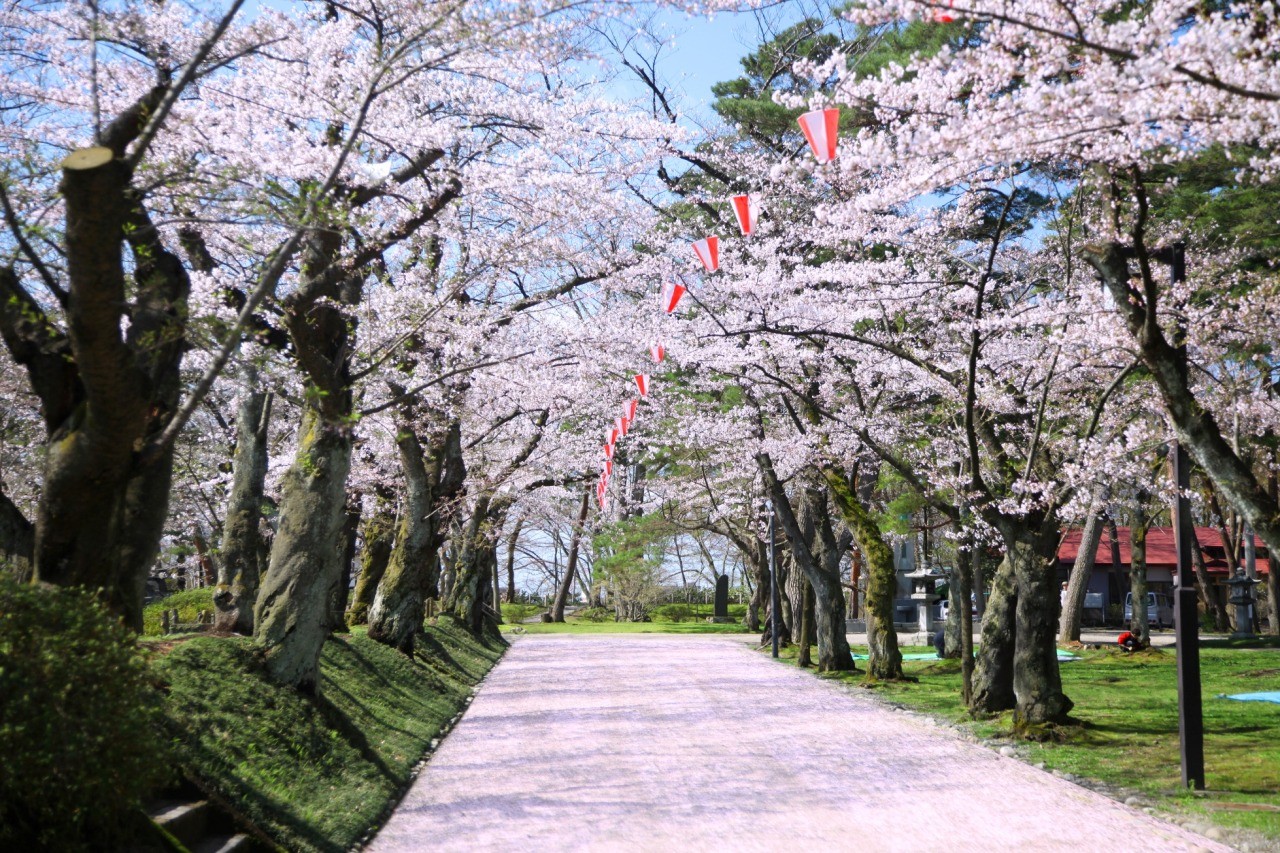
point(1271, 696)
point(1062, 656)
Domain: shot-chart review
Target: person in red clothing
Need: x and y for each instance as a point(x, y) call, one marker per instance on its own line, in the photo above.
point(1129, 641)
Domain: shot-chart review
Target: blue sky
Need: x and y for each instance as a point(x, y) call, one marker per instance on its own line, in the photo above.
point(702, 51)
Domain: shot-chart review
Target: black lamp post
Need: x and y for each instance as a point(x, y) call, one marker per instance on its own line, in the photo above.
point(1186, 618)
point(775, 608)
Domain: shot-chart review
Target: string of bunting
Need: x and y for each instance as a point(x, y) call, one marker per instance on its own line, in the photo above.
point(821, 131)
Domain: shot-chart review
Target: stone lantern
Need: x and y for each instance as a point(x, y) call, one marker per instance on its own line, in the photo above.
point(924, 596)
point(1242, 598)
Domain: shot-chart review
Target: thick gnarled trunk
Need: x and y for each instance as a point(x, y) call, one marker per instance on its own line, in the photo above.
point(433, 480)
point(292, 614)
point(378, 534)
point(833, 646)
point(993, 674)
point(105, 492)
point(243, 548)
point(1037, 683)
point(884, 657)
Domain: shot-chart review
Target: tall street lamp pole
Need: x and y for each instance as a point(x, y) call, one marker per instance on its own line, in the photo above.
point(1186, 618)
point(775, 608)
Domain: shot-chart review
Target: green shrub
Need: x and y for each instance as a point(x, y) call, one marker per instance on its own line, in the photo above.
point(677, 612)
point(188, 603)
point(596, 614)
point(79, 739)
point(514, 614)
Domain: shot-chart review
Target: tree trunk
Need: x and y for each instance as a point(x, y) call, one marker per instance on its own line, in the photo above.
point(808, 633)
point(884, 657)
point(951, 628)
point(1081, 570)
point(243, 550)
point(477, 553)
point(340, 595)
point(993, 674)
point(575, 538)
point(17, 540)
point(432, 482)
point(1212, 604)
point(833, 646)
point(105, 395)
point(512, 540)
point(758, 557)
point(378, 535)
point(1138, 573)
point(1037, 683)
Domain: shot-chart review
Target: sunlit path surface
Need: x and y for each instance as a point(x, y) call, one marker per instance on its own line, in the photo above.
point(699, 743)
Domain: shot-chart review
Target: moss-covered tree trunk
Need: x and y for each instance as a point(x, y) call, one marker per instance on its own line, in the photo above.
point(292, 616)
point(378, 534)
point(243, 548)
point(833, 646)
point(477, 553)
point(575, 539)
point(1037, 683)
point(884, 657)
point(340, 593)
point(293, 612)
point(106, 396)
point(433, 480)
point(993, 675)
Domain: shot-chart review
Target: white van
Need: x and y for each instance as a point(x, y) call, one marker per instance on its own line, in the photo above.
point(1159, 610)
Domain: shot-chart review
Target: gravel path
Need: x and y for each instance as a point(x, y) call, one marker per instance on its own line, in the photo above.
point(644, 742)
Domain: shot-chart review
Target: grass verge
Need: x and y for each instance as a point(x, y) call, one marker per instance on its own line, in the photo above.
point(188, 603)
point(1124, 729)
point(316, 774)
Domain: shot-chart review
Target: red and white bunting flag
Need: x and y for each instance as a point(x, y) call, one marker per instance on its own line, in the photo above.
point(608, 451)
point(630, 408)
point(943, 17)
point(608, 471)
point(658, 352)
point(671, 295)
point(642, 382)
point(821, 128)
point(611, 435)
point(622, 425)
point(708, 251)
point(746, 208)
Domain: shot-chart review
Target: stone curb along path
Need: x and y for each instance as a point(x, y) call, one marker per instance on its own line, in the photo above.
point(659, 742)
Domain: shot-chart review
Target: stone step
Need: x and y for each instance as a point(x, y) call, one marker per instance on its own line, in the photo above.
point(238, 843)
point(187, 821)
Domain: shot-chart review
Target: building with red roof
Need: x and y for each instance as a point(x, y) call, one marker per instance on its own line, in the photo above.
point(1109, 580)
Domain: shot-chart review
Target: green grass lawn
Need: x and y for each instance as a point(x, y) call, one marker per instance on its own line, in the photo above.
point(315, 774)
point(1126, 726)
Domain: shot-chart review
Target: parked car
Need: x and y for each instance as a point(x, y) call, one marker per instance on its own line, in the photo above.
point(1159, 609)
